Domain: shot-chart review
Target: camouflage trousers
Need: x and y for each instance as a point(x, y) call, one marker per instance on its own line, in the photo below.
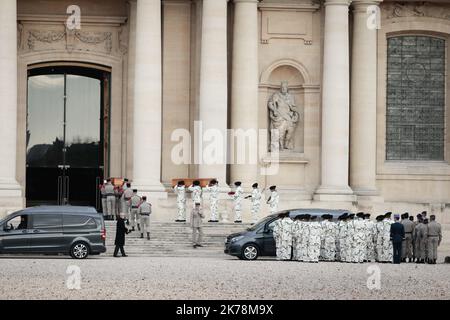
point(255, 211)
point(387, 250)
point(370, 250)
point(237, 211)
point(328, 250)
point(359, 251)
point(284, 251)
point(214, 206)
point(301, 252)
point(181, 205)
point(313, 251)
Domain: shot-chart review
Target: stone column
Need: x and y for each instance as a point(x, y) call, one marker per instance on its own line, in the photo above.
point(10, 190)
point(335, 105)
point(213, 91)
point(147, 100)
point(244, 90)
point(363, 129)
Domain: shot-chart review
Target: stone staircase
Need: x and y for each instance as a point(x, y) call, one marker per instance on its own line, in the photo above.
point(174, 239)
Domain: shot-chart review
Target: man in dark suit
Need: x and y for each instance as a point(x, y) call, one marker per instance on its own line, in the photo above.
point(397, 236)
point(121, 230)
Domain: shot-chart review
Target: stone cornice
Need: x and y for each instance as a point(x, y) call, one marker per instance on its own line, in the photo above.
point(90, 20)
point(337, 3)
point(289, 6)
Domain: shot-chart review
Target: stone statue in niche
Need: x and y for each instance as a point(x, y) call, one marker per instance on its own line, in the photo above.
point(284, 117)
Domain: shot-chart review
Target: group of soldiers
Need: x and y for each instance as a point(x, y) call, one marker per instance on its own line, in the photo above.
point(124, 199)
point(213, 189)
point(355, 238)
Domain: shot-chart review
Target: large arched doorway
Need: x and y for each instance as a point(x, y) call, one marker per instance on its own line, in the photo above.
point(67, 134)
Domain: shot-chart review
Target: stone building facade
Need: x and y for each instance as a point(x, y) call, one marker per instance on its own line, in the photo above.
point(369, 79)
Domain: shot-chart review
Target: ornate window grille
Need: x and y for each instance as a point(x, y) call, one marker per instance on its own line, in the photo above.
point(415, 98)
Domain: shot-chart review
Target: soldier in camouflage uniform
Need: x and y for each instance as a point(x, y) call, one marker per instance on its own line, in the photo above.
point(359, 244)
point(350, 239)
point(296, 236)
point(387, 252)
point(302, 245)
point(256, 202)
point(180, 191)
point(329, 239)
point(282, 233)
point(371, 232)
point(273, 199)
point(340, 239)
point(379, 238)
point(196, 190)
point(315, 236)
point(237, 198)
point(213, 189)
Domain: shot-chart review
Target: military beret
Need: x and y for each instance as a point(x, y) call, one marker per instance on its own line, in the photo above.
point(196, 183)
point(237, 183)
point(273, 187)
point(343, 216)
point(255, 185)
point(387, 214)
point(313, 217)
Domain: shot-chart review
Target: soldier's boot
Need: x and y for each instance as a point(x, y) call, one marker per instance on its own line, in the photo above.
point(139, 227)
point(148, 235)
point(142, 235)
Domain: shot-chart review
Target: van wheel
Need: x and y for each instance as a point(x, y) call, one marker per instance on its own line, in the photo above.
point(250, 252)
point(79, 250)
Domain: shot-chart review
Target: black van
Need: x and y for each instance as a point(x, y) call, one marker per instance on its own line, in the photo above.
point(78, 231)
point(258, 240)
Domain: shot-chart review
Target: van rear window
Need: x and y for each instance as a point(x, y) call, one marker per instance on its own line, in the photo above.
point(79, 222)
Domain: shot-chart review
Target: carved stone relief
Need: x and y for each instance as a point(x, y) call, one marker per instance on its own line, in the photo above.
point(421, 9)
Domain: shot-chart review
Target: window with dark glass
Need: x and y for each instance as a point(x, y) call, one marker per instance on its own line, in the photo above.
point(47, 221)
point(415, 98)
point(79, 222)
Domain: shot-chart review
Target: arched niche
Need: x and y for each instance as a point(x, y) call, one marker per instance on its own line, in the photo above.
point(297, 78)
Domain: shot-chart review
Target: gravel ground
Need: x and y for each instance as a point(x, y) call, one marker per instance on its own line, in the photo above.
point(222, 277)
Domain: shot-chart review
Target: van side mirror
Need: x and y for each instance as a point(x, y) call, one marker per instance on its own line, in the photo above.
point(7, 227)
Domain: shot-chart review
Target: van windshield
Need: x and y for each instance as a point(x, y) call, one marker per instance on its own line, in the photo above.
point(261, 222)
point(7, 217)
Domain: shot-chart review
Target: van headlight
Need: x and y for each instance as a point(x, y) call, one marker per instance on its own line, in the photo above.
point(235, 239)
